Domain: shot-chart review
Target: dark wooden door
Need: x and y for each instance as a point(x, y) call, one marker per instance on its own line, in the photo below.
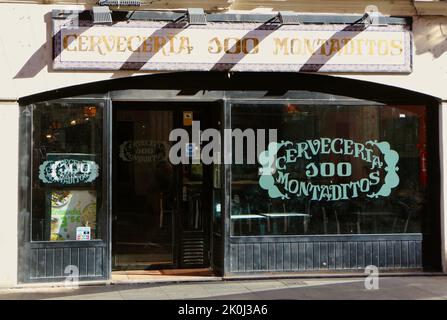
point(161, 211)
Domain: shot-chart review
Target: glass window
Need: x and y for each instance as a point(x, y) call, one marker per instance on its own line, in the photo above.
point(67, 172)
point(334, 170)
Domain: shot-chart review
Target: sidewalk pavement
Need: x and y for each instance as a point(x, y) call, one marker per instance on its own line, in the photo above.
point(390, 288)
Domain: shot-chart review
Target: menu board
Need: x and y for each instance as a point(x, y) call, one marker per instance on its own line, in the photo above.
point(71, 209)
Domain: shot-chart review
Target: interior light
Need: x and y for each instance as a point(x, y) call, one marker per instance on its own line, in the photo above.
point(90, 112)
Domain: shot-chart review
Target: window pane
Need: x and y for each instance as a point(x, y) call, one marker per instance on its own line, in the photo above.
point(335, 171)
point(67, 158)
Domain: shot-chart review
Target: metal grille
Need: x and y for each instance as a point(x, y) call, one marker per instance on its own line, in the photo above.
point(102, 15)
point(117, 3)
point(193, 251)
point(283, 256)
point(196, 16)
point(49, 264)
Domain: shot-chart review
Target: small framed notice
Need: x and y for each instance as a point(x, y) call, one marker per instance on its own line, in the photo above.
point(83, 233)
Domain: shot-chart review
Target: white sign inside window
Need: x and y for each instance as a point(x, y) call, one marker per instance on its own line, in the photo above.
point(83, 233)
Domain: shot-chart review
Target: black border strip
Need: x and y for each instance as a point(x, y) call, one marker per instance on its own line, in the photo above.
point(241, 81)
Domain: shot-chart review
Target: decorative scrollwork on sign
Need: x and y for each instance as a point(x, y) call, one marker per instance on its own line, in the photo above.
point(68, 171)
point(267, 160)
point(392, 178)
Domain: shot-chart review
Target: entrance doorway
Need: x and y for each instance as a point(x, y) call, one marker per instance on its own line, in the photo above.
point(161, 212)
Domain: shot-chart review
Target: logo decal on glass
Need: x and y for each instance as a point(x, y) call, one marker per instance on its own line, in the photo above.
point(143, 151)
point(283, 173)
point(68, 171)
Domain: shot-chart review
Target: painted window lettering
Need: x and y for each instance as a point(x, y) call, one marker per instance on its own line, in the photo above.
point(327, 169)
point(278, 180)
point(143, 151)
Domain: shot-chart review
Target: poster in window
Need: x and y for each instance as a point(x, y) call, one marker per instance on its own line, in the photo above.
point(71, 209)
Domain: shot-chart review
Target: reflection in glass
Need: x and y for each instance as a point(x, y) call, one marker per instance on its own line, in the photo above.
point(144, 189)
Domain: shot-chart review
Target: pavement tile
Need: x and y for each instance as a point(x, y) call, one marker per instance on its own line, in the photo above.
point(245, 296)
point(148, 293)
point(390, 288)
point(97, 296)
point(150, 296)
point(263, 285)
point(431, 288)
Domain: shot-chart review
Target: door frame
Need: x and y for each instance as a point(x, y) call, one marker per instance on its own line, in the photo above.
point(177, 107)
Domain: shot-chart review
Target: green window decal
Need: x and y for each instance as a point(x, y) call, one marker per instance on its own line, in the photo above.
point(68, 171)
point(378, 158)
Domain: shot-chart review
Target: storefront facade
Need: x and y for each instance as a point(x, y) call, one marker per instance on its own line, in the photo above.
point(353, 178)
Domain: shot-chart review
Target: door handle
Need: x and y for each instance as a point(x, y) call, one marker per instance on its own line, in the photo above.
point(161, 210)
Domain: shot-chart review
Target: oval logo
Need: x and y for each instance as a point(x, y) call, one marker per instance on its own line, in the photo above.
point(143, 151)
point(68, 171)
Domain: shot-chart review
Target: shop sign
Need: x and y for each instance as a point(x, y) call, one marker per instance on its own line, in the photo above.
point(277, 179)
point(143, 151)
point(144, 45)
point(68, 171)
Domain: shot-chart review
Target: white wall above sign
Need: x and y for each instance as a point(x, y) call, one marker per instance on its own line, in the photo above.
point(144, 45)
